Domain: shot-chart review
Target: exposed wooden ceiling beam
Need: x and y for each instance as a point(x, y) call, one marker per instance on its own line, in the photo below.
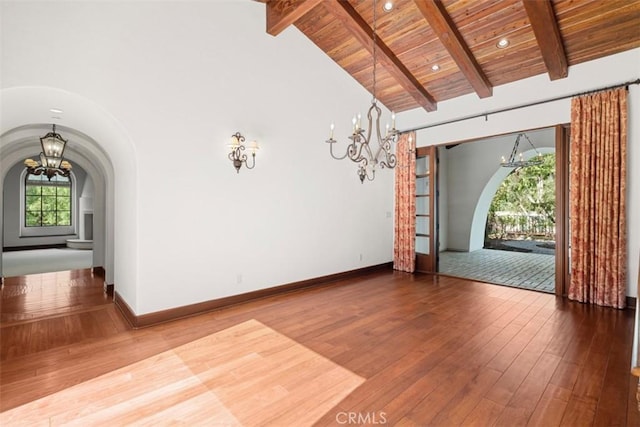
point(282, 13)
point(545, 28)
point(359, 28)
point(441, 23)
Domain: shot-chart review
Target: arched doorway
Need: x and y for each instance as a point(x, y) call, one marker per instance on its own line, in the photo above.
point(473, 173)
point(91, 167)
point(105, 148)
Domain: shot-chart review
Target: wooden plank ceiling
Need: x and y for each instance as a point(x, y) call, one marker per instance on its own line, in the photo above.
point(429, 51)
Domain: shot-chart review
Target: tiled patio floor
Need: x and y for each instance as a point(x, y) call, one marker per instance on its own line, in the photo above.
point(517, 269)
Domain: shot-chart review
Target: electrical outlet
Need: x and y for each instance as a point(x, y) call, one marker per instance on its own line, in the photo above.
point(360, 257)
point(238, 279)
point(388, 214)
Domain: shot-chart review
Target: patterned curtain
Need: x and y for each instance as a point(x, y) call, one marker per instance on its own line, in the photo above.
point(404, 245)
point(598, 198)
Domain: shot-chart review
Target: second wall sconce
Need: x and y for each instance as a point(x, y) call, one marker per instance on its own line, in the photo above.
point(236, 154)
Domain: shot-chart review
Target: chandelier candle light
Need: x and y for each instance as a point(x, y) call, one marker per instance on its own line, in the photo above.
point(236, 154)
point(360, 148)
point(518, 161)
point(51, 161)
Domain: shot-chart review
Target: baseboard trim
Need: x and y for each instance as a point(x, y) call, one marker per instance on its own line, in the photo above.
point(163, 316)
point(32, 247)
point(98, 271)
point(126, 311)
point(631, 303)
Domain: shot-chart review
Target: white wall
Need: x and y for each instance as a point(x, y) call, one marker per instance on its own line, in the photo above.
point(85, 210)
point(166, 84)
point(614, 69)
point(443, 199)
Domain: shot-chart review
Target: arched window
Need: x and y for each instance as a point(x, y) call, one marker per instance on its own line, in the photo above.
point(47, 208)
point(47, 202)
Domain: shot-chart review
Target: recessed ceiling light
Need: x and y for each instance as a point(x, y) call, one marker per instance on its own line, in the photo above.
point(502, 43)
point(435, 67)
point(387, 6)
point(55, 110)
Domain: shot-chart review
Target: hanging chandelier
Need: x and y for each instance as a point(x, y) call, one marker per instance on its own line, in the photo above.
point(51, 160)
point(517, 160)
point(361, 149)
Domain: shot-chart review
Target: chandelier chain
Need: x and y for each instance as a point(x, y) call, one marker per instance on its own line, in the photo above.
point(375, 59)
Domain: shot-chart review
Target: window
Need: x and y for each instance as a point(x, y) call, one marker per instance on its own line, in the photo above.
point(47, 202)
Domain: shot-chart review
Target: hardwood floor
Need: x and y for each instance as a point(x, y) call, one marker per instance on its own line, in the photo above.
point(247, 374)
point(430, 351)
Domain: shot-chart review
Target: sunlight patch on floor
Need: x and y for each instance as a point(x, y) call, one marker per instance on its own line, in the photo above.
point(248, 374)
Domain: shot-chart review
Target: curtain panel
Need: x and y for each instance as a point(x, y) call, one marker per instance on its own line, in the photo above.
point(404, 245)
point(597, 191)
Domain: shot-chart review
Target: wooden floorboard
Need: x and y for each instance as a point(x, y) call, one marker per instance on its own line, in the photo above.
point(410, 350)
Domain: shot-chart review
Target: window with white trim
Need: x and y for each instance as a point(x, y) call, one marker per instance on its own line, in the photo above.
point(47, 203)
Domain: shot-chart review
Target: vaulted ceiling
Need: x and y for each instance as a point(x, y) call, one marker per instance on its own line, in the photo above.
point(429, 51)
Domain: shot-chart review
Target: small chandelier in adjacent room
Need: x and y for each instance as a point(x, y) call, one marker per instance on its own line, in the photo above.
point(517, 160)
point(361, 150)
point(236, 154)
point(51, 160)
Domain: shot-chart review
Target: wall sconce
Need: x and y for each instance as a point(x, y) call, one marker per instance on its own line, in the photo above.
point(236, 154)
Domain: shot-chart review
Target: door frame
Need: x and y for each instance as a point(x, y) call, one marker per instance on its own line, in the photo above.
point(562, 270)
point(562, 209)
point(427, 263)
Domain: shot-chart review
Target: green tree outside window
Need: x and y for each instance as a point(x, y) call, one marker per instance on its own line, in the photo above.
point(527, 196)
